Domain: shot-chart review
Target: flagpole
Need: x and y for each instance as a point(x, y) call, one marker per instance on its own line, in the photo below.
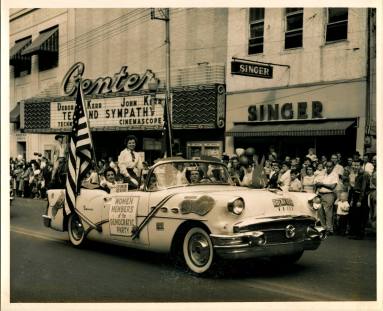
point(79, 89)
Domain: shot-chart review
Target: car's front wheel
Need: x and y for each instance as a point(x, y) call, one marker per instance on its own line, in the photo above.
point(197, 250)
point(76, 230)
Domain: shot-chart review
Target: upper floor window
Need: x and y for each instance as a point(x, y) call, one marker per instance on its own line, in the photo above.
point(46, 46)
point(294, 28)
point(20, 63)
point(256, 25)
point(337, 19)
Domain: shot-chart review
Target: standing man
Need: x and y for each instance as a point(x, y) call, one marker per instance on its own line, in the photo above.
point(359, 208)
point(59, 157)
point(284, 176)
point(326, 189)
point(130, 162)
point(367, 166)
point(337, 167)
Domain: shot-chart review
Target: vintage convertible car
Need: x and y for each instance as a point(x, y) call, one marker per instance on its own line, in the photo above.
point(190, 208)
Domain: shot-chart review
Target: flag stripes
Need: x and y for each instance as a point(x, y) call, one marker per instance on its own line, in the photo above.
point(80, 152)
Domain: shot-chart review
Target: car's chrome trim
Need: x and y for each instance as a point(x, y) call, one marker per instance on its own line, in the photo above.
point(256, 244)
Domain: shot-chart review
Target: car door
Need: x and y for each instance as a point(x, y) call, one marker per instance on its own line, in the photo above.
point(89, 204)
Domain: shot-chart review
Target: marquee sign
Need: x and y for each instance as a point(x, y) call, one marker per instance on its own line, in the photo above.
point(251, 70)
point(121, 81)
point(134, 112)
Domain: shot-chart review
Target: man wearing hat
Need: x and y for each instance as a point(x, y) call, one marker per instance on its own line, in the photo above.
point(59, 155)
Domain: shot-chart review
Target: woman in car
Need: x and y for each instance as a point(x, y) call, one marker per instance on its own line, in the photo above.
point(109, 181)
point(130, 162)
point(194, 176)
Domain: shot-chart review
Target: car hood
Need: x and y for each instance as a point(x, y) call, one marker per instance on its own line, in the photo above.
point(258, 202)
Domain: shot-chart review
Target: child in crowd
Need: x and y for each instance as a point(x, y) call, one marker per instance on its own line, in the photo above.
point(311, 155)
point(319, 173)
point(342, 212)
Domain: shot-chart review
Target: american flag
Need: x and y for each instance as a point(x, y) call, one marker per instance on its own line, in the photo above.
point(80, 152)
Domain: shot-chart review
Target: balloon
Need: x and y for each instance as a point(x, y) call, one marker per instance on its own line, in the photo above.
point(240, 151)
point(250, 151)
point(243, 160)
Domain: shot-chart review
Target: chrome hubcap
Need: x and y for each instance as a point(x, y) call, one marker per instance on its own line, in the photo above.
point(77, 228)
point(199, 249)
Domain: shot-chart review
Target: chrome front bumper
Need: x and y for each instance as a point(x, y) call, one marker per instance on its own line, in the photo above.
point(255, 244)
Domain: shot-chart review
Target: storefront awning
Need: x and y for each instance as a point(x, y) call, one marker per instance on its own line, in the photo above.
point(14, 115)
point(16, 50)
point(46, 41)
point(325, 128)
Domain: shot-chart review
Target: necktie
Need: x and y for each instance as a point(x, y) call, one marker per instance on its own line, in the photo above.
point(132, 154)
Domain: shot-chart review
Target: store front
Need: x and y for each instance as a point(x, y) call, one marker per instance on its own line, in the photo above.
point(121, 107)
point(327, 117)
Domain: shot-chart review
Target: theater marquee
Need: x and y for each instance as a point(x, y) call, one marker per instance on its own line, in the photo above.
point(130, 111)
point(140, 112)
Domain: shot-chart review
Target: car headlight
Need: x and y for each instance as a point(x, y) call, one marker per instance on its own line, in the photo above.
point(236, 206)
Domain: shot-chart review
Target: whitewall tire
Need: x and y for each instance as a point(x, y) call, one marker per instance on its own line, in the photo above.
point(76, 230)
point(197, 250)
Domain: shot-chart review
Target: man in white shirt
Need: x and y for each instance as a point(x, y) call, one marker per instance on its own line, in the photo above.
point(59, 156)
point(284, 178)
point(337, 167)
point(367, 166)
point(326, 189)
point(130, 162)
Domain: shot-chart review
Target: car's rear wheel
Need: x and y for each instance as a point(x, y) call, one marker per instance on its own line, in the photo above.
point(76, 230)
point(197, 250)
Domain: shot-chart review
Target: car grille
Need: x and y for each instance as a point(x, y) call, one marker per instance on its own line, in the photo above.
point(275, 231)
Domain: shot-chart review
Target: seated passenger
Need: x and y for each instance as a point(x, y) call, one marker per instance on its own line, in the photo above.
point(194, 176)
point(109, 182)
point(215, 175)
point(153, 183)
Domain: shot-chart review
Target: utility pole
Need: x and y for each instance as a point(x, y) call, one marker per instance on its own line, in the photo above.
point(164, 15)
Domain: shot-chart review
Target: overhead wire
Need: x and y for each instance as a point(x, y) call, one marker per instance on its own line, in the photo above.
point(118, 29)
point(101, 31)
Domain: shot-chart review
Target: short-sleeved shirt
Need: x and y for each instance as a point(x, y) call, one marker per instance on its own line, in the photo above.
point(308, 183)
point(328, 179)
point(295, 185)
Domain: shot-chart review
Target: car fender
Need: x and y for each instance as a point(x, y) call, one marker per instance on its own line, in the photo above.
point(54, 216)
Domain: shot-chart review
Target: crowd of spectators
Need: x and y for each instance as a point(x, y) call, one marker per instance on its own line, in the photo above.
point(347, 185)
point(30, 179)
point(348, 201)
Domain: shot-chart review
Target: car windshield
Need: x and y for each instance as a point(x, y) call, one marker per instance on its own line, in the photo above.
point(173, 174)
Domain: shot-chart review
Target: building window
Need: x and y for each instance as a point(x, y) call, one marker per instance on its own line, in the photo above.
point(256, 24)
point(49, 57)
point(46, 46)
point(23, 68)
point(337, 19)
point(20, 63)
point(294, 28)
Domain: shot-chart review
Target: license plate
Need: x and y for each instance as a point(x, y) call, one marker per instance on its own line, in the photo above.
point(283, 204)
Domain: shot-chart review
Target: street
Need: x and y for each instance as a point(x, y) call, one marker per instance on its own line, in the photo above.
point(44, 267)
